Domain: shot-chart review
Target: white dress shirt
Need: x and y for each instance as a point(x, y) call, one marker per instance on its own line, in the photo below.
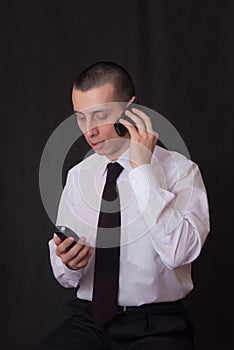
point(164, 223)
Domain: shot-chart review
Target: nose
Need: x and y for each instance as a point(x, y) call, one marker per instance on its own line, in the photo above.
point(92, 132)
point(91, 129)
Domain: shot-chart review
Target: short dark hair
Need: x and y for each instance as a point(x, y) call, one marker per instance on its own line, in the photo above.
point(101, 73)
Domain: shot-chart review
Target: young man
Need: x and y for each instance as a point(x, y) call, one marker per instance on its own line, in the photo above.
point(162, 227)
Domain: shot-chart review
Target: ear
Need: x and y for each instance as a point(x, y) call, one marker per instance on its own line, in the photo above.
point(133, 99)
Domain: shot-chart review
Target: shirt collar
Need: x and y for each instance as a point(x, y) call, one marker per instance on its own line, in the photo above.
point(123, 160)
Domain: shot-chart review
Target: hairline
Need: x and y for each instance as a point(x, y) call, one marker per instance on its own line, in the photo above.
point(109, 81)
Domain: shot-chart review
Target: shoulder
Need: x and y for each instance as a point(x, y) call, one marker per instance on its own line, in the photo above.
point(88, 165)
point(172, 163)
point(167, 157)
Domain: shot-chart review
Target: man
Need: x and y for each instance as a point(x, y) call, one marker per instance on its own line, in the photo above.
point(164, 222)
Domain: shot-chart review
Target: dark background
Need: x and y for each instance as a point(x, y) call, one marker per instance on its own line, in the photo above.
point(180, 55)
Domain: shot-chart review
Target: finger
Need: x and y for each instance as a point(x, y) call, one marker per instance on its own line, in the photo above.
point(82, 240)
point(131, 128)
point(69, 255)
point(82, 258)
point(76, 249)
point(81, 255)
point(57, 240)
point(86, 259)
point(146, 118)
point(140, 124)
point(64, 245)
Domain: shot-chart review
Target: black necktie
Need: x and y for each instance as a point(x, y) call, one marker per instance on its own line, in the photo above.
point(106, 274)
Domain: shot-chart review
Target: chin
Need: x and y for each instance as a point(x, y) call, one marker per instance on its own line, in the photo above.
point(105, 153)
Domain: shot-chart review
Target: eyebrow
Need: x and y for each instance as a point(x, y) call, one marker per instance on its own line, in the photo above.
point(77, 112)
point(94, 112)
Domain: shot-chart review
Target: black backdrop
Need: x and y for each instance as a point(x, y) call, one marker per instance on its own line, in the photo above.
point(180, 55)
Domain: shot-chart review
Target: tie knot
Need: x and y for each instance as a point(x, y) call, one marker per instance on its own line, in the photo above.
point(113, 171)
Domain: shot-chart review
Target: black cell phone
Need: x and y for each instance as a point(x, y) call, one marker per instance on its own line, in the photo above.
point(63, 232)
point(120, 128)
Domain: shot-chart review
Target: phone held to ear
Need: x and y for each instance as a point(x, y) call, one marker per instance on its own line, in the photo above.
point(64, 232)
point(120, 128)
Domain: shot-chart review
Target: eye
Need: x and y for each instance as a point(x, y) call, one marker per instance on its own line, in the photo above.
point(101, 116)
point(79, 116)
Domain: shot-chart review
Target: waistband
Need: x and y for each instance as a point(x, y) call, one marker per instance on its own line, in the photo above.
point(167, 307)
point(160, 308)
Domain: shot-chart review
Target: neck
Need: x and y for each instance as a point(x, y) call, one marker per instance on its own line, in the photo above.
point(115, 157)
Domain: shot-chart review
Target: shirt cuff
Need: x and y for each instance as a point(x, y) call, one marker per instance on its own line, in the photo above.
point(62, 272)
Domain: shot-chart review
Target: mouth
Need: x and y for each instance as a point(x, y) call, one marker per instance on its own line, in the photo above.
point(97, 145)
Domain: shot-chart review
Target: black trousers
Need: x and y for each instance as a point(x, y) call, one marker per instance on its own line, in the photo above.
point(165, 328)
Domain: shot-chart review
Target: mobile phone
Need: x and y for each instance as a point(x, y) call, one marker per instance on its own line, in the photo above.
point(63, 232)
point(120, 128)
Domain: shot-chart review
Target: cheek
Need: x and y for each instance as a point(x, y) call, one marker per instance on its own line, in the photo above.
point(81, 126)
point(108, 132)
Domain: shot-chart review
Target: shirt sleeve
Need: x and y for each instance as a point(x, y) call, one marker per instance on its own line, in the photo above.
point(175, 208)
point(66, 277)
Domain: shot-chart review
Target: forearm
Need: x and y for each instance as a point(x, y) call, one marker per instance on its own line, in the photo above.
point(177, 218)
point(179, 247)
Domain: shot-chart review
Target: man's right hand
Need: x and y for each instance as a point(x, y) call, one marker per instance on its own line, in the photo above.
point(76, 257)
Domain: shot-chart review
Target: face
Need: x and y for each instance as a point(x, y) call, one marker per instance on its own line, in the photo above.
point(96, 114)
